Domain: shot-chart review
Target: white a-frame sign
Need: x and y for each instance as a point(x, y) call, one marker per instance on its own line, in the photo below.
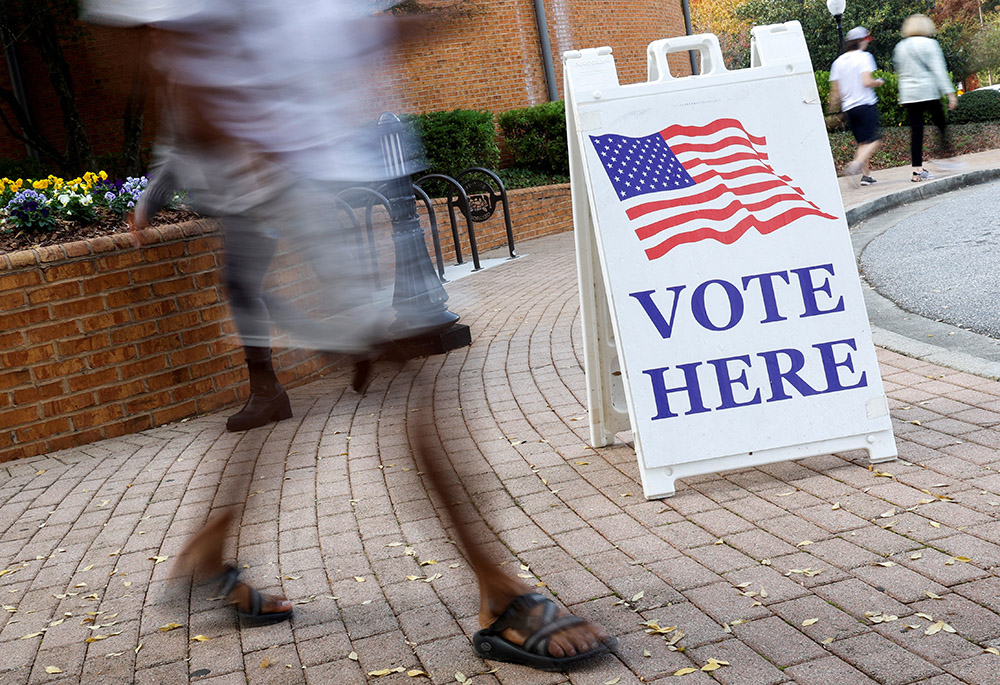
point(721, 303)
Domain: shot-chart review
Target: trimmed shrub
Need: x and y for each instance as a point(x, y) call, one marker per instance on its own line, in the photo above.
point(536, 136)
point(977, 106)
point(452, 141)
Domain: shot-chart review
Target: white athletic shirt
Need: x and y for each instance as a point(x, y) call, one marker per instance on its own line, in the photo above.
point(846, 71)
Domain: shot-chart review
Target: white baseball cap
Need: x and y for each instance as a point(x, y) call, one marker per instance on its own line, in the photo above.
point(857, 33)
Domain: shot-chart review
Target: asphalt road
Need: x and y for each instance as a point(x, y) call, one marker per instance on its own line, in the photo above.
point(942, 261)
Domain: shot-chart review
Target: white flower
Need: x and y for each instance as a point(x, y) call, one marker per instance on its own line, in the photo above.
point(64, 198)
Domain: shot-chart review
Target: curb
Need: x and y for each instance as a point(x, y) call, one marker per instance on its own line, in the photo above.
point(960, 356)
point(920, 191)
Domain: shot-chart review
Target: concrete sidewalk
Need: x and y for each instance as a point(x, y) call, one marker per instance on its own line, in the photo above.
point(820, 571)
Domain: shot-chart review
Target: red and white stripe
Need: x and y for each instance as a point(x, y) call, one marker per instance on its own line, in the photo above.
point(735, 190)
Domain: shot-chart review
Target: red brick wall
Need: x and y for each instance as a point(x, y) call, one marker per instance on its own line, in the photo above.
point(489, 61)
point(99, 339)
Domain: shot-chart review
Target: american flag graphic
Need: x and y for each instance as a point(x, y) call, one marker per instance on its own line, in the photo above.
point(691, 183)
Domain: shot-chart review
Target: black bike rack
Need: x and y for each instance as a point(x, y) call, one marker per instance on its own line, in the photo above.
point(484, 197)
point(372, 198)
point(462, 202)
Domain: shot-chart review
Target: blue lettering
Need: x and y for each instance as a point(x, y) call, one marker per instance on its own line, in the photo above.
point(691, 387)
point(777, 378)
point(701, 313)
point(767, 292)
point(645, 298)
point(830, 366)
point(726, 381)
point(809, 290)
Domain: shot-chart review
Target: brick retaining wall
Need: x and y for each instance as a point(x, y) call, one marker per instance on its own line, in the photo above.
point(99, 339)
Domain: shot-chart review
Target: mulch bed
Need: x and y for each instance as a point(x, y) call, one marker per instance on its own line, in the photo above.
point(895, 150)
point(69, 232)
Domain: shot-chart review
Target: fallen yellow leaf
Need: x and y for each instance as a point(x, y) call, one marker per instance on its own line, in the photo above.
point(935, 628)
point(992, 650)
point(810, 621)
point(686, 671)
point(53, 669)
point(353, 656)
point(416, 672)
point(265, 663)
point(932, 595)
point(200, 638)
point(613, 681)
point(386, 671)
point(168, 627)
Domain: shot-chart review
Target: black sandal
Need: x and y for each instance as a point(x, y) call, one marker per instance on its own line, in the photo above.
point(228, 580)
point(522, 616)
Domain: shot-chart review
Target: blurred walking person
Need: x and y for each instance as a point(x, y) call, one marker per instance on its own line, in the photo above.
point(852, 90)
point(262, 100)
point(923, 79)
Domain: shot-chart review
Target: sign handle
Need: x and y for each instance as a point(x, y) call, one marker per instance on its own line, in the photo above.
point(707, 45)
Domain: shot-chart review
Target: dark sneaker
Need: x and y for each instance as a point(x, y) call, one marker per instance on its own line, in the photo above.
point(867, 180)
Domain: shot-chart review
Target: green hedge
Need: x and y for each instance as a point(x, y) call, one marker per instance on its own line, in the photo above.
point(536, 137)
point(977, 106)
point(453, 141)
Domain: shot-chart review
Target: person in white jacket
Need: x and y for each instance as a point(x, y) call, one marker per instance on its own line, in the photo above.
point(923, 79)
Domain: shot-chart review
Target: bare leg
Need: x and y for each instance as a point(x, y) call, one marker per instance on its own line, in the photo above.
point(497, 589)
point(202, 557)
point(864, 154)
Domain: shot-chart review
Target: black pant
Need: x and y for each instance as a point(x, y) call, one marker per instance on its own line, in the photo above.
point(915, 118)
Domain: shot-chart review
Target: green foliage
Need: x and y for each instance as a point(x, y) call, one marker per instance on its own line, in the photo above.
point(986, 47)
point(31, 211)
point(955, 39)
point(882, 19)
point(536, 136)
point(453, 141)
point(25, 168)
point(519, 177)
point(977, 106)
point(893, 113)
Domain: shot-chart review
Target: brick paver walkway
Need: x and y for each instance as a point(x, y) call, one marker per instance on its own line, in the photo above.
point(820, 571)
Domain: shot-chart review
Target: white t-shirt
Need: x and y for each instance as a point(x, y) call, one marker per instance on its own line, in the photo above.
point(846, 71)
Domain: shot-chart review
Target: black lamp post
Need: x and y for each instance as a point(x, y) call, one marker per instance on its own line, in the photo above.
point(837, 8)
point(418, 297)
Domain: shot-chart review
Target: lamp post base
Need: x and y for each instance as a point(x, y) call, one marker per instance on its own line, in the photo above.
point(436, 342)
